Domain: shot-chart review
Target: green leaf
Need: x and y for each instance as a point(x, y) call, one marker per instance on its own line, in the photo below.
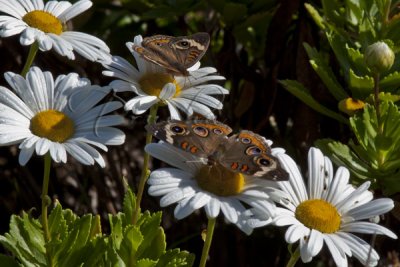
point(315, 15)
point(7, 261)
point(129, 206)
point(303, 94)
point(146, 263)
point(357, 59)
point(176, 258)
point(391, 82)
point(361, 87)
point(130, 244)
point(338, 45)
point(325, 73)
point(342, 155)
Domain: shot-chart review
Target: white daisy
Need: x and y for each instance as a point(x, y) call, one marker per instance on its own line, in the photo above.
point(154, 85)
point(328, 210)
point(57, 116)
point(193, 185)
point(46, 25)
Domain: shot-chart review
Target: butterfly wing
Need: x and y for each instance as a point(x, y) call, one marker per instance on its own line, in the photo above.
point(176, 54)
point(199, 137)
point(249, 154)
point(190, 49)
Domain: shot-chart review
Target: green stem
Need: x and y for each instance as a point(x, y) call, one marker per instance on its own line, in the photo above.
point(45, 203)
point(376, 102)
point(145, 170)
point(31, 56)
point(207, 243)
point(294, 257)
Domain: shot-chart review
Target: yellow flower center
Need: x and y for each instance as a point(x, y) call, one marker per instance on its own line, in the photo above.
point(219, 180)
point(153, 83)
point(53, 125)
point(44, 21)
point(350, 105)
point(318, 214)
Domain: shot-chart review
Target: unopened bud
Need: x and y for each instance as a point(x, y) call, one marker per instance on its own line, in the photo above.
point(379, 57)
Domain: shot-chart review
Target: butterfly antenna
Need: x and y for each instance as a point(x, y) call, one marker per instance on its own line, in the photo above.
point(118, 97)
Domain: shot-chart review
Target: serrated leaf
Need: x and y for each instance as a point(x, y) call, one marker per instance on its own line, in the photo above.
point(116, 229)
point(325, 73)
point(357, 59)
point(176, 258)
point(303, 94)
point(146, 263)
point(361, 87)
point(391, 82)
point(130, 244)
point(149, 229)
point(158, 245)
point(129, 206)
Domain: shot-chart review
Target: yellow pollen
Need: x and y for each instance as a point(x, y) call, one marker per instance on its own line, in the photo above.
point(43, 21)
point(350, 105)
point(53, 125)
point(219, 180)
point(318, 214)
point(153, 83)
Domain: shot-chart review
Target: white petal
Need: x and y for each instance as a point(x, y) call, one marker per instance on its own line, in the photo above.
point(338, 256)
point(176, 196)
point(168, 91)
point(371, 209)
point(76, 9)
point(316, 168)
point(27, 36)
point(360, 249)
point(183, 209)
point(315, 242)
point(367, 228)
point(295, 232)
point(42, 146)
point(174, 156)
point(173, 112)
point(25, 155)
point(228, 209)
point(212, 208)
point(199, 200)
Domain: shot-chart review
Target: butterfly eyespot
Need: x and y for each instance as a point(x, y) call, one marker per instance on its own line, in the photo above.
point(217, 131)
point(200, 131)
point(253, 150)
point(245, 140)
point(184, 43)
point(177, 129)
point(264, 162)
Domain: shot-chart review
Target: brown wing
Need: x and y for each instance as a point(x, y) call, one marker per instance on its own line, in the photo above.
point(199, 137)
point(176, 54)
point(248, 153)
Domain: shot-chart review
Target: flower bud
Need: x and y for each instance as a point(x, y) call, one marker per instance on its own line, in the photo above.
point(379, 57)
point(350, 105)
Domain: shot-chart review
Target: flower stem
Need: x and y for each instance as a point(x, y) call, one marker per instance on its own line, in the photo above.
point(207, 243)
point(376, 103)
point(31, 56)
point(294, 257)
point(145, 170)
point(45, 203)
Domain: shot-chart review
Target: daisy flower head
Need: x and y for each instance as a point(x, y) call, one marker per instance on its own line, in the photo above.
point(328, 210)
point(153, 85)
point(57, 116)
point(45, 24)
point(193, 185)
